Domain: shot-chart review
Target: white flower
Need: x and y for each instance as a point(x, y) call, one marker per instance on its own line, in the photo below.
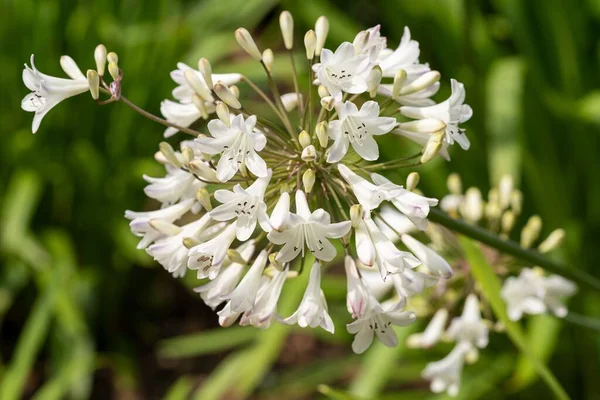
point(421, 137)
point(414, 206)
point(247, 206)
point(452, 111)
point(430, 259)
point(373, 247)
point(469, 327)
point(216, 291)
point(238, 145)
point(290, 101)
point(140, 221)
point(312, 229)
point(378, 319)
point(357, 128)
point(409, 282)
point(175, 186)
point(357, 293)
point(208, 257)
point(556, 288)
point(393, 223)
point(264, 310)
point(369, 195)
point(405, 57)
point(184, 91)
point(281, 212)
point(47, 91)
point(312, 310)
point(243, 297)
point(343, 70)
point(182, 114)
point(374, 44)
point(433, 333)
point(445, 374)
point(170, 251)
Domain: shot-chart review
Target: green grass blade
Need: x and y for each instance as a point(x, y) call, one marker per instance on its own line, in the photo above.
point(205, 342)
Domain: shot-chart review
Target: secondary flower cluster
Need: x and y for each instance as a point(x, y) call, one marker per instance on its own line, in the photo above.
point(245, 204)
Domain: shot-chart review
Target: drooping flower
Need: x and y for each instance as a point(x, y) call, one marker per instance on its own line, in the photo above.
point(47, 91)
point(433, 333)
point(175, 186)
point(238, 143)
point(430, 259)
point(182, 114)
point(370, 196)
point(247, 206)
point(208, 257)
point(357, 127)
point(452, 112)
point(312, 310)
point(243, 297)
point(342, 71)
point(405, 57)
point(313, 229)
point(469, 327)
point(445, 374)
point(264, 310)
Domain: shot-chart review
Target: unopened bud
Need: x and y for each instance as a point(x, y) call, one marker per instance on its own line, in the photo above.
point(433, 146)
point(553, 240)
point(321, 31)
point(274, 262)
point(328, 102)
point(94, 82)
point(412, 181)
point(399, 80)
point(346, 239)
point(428, 125)
point(223, 113)
point(244, 39)
point(472, 206)
point(198, 167)
point(356, 214)
point(360, 41)
point(531, 231)
point(308, 180)
point(516, 201)
point(167, 150)
point(323, 92)
point(112, 57)
point(193, 80)
point(190, 242)
point(373, 80)
point(206, 70)
point(200, 105)
point(290, 100)
point(454, 183)
point(164, 227)
point(422, 82)
point(268, 58)
point(235, 257)
point(508, 221)
point(505, 189)
point(235, 90)
point(158, 156)
point(472, 356)
point(310, 43)
point(321, 132)
point(203, 198)
point(113, 70)
point(100, 58)
point(304, 139)
point(492, 211)
point(286, 23)
point(227, 96)
point(309, 153)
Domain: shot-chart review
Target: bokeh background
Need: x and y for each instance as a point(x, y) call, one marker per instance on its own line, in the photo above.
point(83, 314)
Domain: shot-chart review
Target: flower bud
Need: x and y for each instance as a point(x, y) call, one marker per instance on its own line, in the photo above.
point(198, 167)
point(235, 257)
point(433, 146)
point(412, 181)
point(321, 31)
point(268, 58)
point(273, 260)
point(308, 180)
point(323, 92)
point(454, 183)
point(203, 198)
point(244, 39)
point(160, 158)
point(94, 82)
point(235, 90)
point(373, 80)
point(516, 201)
point(304, 139)
point(360, 41)
point(508, 221)
point(309, 153)
point(226, 95)
point(206, 70)
point(321, 132)
point(164, 227)
point(553, 240)
point(199, 103)
point(290, 101)
point(422, 82)
point(531, 231)
point(167, 150)
point(505, 189)
point(472, 356)
point(286, 23)
point(356, 215)
point(399, 80)
point(100, 58)
point(193, 80)
point(310, 42)
point(328, 102)
point(189, 242)
point(187, 155)
point(428, 125)
point(112, 57)
point(113, 70)
point(223, 113)
point(472, 207)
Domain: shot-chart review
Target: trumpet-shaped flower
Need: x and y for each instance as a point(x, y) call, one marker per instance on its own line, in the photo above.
point(445, 374)
point(433, 333)
point(343, 71)
point(238, 144)
point(312, 229)
point(469, 327)
point(208, 257)
point(264, 310)
point(430, 259)
point(175, 186)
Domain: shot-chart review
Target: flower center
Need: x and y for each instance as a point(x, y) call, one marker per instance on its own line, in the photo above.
point(354, 129)
point(238, 150)
point(338, 75)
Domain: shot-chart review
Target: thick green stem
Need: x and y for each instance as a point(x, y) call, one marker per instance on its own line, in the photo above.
point(582, 278)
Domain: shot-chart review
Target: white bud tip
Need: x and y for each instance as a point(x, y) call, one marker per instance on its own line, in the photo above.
point(321, 30)
point(246, 42)
point(286, 23)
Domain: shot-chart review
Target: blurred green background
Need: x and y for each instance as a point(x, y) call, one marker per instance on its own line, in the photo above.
point(83, 314)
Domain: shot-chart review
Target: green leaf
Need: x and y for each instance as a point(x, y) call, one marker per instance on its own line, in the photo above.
point(335, 394)
point(490, 284)
point(208, 342)
point(181, 389)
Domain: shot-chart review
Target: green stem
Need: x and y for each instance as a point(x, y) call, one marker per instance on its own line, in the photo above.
point(582, 278)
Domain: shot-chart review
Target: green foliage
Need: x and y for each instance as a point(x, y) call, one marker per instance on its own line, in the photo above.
point(83, 312)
